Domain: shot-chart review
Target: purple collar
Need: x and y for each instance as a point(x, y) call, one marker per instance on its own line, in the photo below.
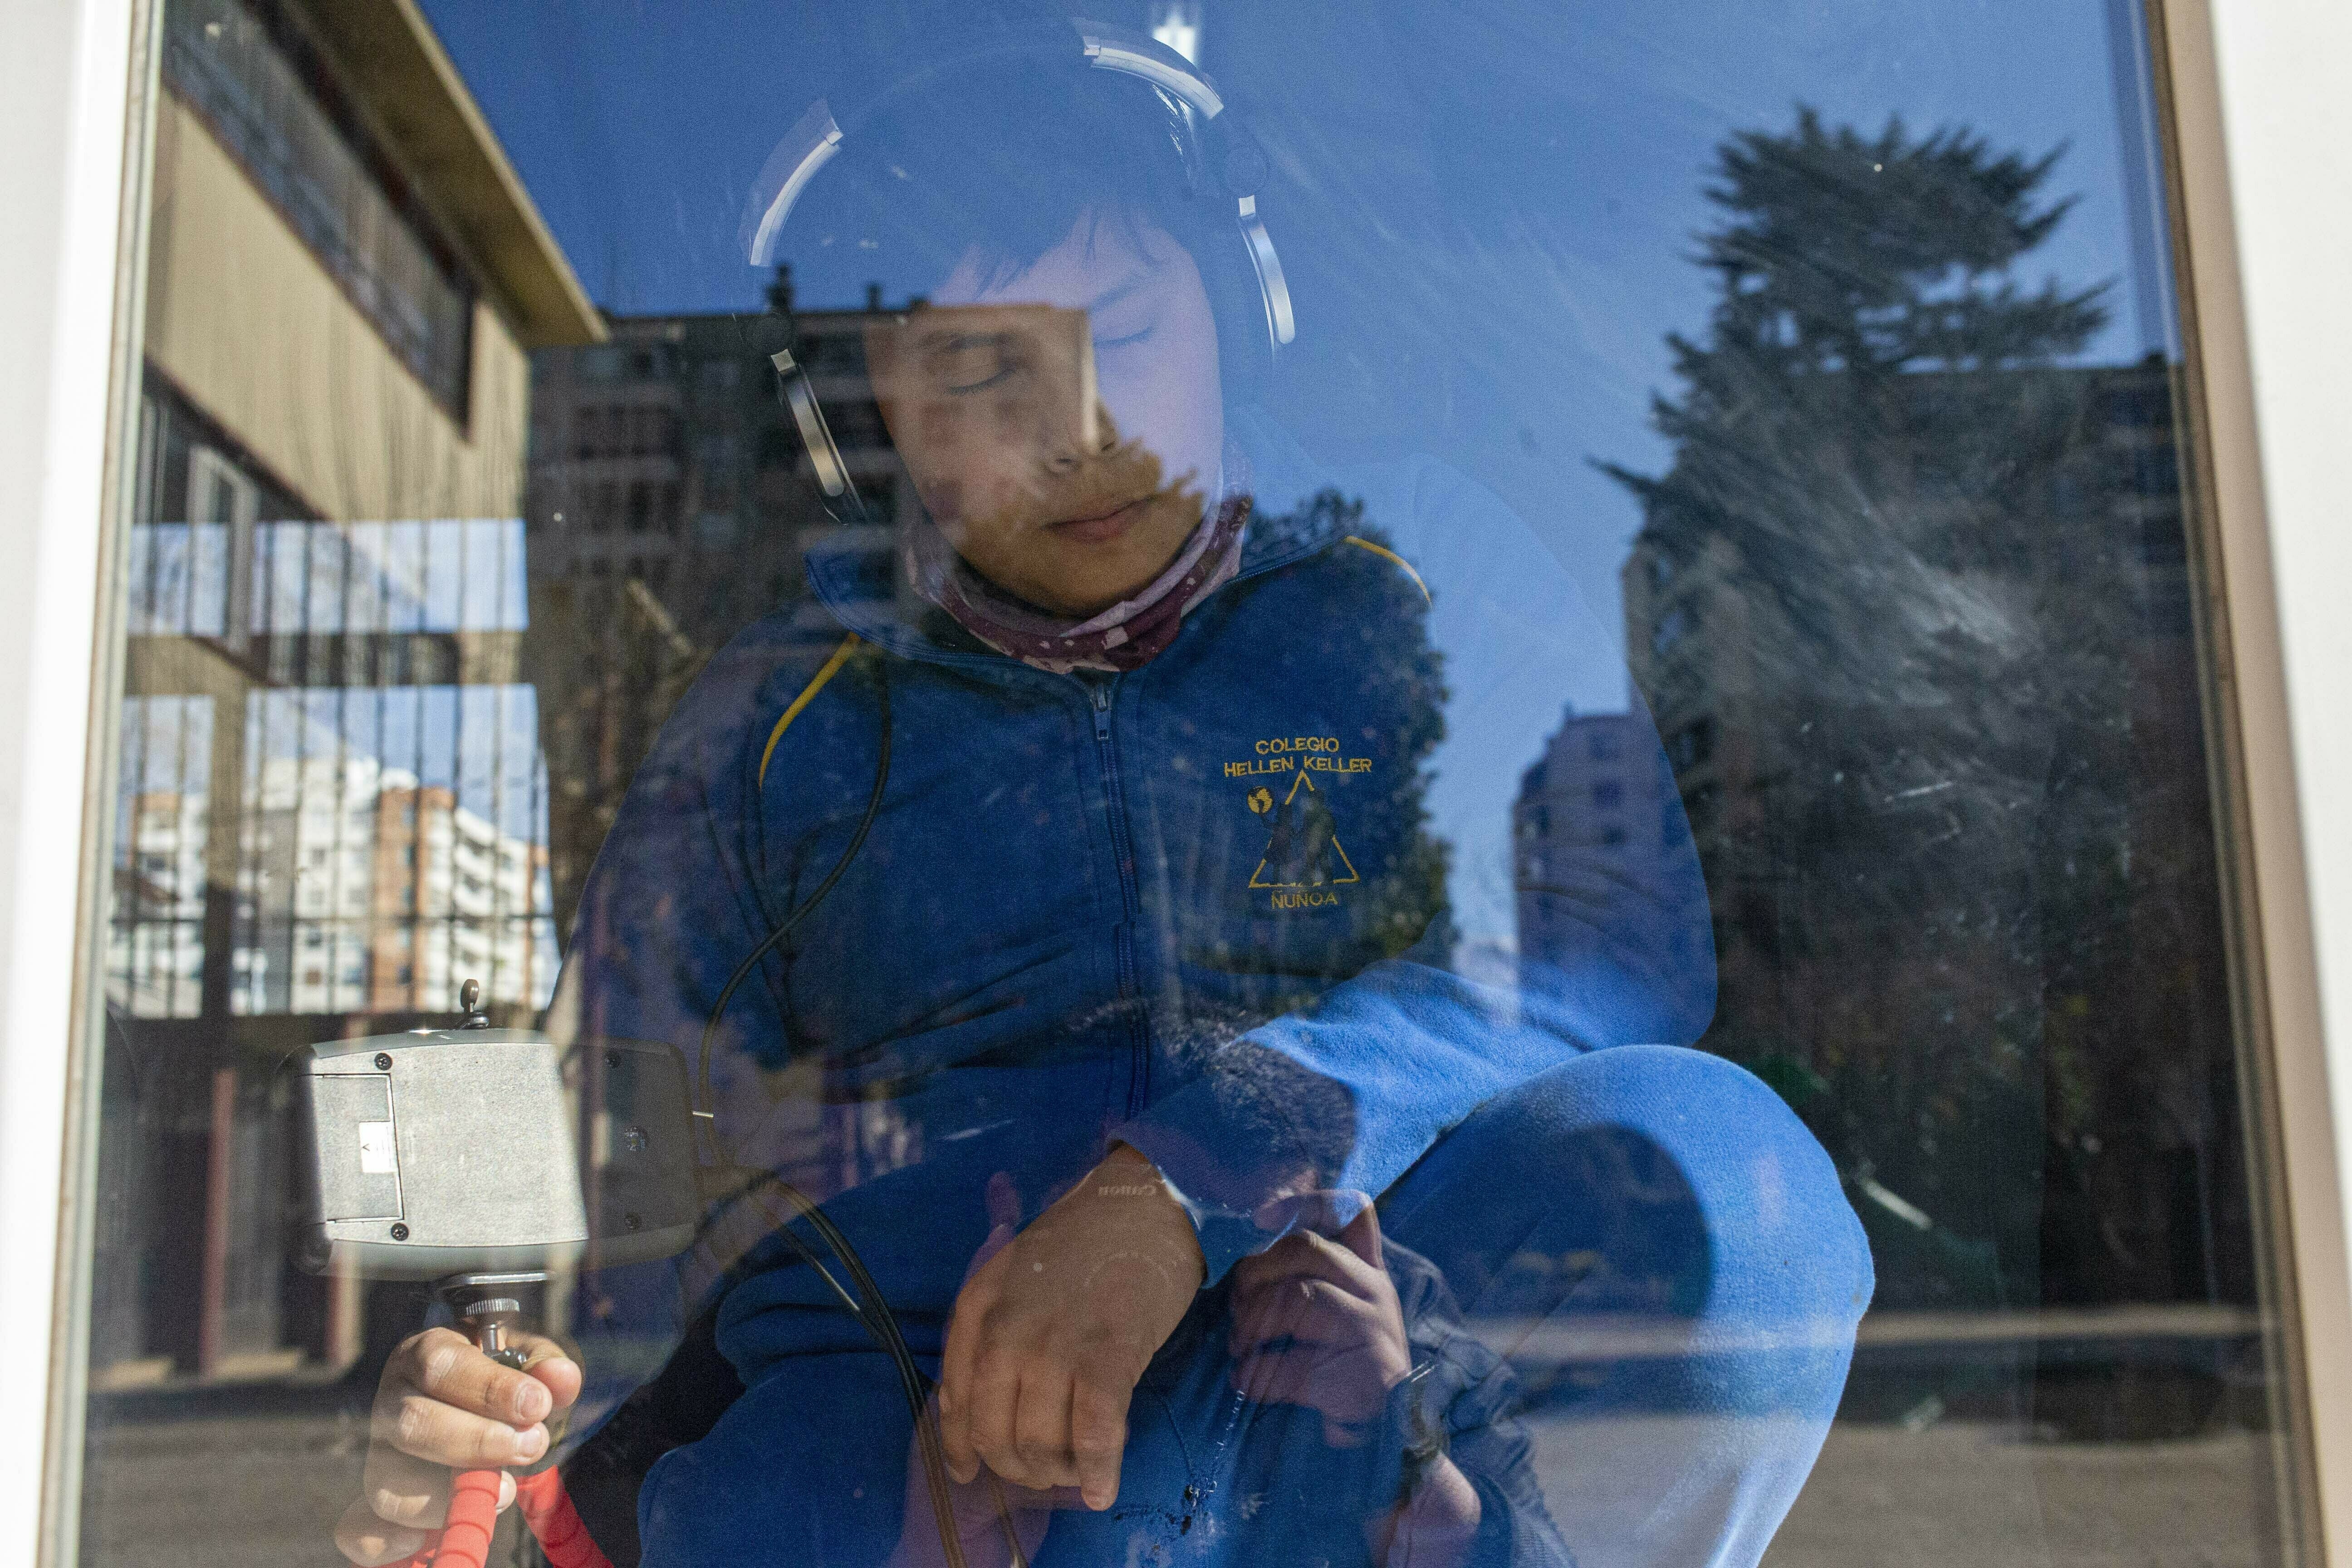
point(1127, 636)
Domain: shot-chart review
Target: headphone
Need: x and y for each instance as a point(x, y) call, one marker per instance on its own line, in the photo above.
point(1209, 136)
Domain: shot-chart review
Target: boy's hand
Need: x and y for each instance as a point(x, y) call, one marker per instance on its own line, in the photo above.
point(1051, 1335)
point(981, 1508)
point(1316, 1321)
point(442, 1406)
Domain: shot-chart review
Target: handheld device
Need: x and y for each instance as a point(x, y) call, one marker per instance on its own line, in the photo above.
point(397, 1182)
point(444, 1152)
point(449, 1154)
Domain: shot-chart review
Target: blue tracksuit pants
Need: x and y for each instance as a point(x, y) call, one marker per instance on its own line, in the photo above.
point(1637, 1275)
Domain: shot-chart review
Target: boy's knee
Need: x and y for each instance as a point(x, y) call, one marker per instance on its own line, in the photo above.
point(809, 1463)
point(1693, 1179)
point(1786, 1246)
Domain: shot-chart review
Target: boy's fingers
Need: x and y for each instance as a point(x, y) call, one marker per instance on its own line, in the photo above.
point(1316, 1261)
point(1320, 1212)
point(444, 1365)
point(550, 1365)
point(1098, 1440)
point(1361, 1236)
point(430, 1429)
point(402, 1493)
point(1003, 1200)
point(1305, 1252)
point(1040, 1454)
point(371, 1542)
point(1275, 1263)
point(1332, 1319)
point(957, 1364)
point(402, 1490)
point(956, 1450)
point(987, 1416)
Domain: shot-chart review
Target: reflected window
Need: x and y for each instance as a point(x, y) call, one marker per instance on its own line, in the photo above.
point(1529, 674)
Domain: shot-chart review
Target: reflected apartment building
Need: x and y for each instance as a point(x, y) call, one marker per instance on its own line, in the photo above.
point(1596, 789)
point(365, 891)
point(672, 503)
point(1968, 933)
point(331, 807)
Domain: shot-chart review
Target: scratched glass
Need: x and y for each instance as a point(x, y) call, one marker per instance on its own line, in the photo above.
point(1407, 784)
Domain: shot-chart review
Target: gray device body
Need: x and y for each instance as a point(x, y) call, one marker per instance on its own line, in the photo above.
point(454, 1152)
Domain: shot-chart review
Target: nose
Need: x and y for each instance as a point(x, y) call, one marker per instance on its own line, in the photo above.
point(1069, 445)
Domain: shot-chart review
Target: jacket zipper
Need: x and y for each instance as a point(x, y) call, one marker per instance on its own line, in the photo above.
point(1099, 693)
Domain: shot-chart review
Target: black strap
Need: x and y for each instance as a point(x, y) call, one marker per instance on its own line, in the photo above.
point(679, 1406)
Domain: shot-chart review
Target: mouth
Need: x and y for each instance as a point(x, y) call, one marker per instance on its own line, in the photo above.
point(1099, 527)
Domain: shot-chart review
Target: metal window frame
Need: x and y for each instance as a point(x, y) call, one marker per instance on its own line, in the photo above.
point(77, 93)
point(2260, 125)
point(2257, 122)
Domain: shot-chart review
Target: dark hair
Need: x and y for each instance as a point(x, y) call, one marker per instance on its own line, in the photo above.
point(1005, 159)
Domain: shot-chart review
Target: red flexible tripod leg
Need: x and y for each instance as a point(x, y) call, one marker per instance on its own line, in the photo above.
point(464, 1540)
point(488, 1317)
point(545, 1506)
point(547, 1509)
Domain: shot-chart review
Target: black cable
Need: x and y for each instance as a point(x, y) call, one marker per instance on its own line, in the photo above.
point(882, 1324)
point(872, 1310)
point(806, 1253)
point(703, 1094)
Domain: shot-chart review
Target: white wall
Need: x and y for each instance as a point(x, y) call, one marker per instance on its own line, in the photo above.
point(2285, 68)
point(2279, 370)
point(2284, 74)
point(64, 81)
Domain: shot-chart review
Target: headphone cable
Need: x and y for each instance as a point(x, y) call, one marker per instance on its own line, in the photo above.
point(872, 1310)
point(775, 938)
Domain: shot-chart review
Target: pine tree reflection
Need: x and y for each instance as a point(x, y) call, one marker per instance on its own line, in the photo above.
point(1911, 605)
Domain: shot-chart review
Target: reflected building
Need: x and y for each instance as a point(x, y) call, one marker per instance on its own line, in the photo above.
point(363, 890)
point(331, 807)
point(1595, 789)
point(157, 962)
point(671, 505)
point(1951, 919)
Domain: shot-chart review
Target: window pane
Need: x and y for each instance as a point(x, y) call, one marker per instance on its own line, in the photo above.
point(1425, 782)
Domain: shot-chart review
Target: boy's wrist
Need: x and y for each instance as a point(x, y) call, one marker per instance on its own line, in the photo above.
point(1127, 1175)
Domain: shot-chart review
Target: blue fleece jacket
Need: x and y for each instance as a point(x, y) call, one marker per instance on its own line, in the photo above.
point(1200, 907)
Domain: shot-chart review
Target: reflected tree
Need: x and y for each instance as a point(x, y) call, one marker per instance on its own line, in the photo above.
point(1910, 605)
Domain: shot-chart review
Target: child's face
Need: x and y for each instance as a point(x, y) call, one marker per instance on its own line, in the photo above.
point(1067, 484)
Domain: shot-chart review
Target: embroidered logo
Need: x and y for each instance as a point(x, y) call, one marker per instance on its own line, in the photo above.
point(1303, 857)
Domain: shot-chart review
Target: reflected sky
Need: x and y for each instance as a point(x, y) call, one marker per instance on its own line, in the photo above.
point(1486, 211)
point(1522, 181)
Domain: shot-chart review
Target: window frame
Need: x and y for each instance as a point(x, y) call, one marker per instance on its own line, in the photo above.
point(79, 81)
point(2255, 109)
point(2247, 101)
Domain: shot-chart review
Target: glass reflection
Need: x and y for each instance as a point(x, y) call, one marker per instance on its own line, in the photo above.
point(1057, 716)
point(1216, 1008)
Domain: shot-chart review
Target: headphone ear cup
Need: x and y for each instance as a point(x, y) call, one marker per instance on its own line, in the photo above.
point(1244, 344)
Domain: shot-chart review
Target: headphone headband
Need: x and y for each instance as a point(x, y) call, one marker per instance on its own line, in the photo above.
point(1116, 49)
point(816, 137)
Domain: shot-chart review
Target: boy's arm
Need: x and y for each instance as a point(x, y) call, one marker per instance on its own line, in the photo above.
point(1385, 1062)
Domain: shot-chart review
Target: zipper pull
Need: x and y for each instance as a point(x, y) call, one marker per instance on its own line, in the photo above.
point(1098, 692)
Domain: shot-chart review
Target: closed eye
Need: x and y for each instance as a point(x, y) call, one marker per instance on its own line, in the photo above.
point(963, 388)
point(973, 362)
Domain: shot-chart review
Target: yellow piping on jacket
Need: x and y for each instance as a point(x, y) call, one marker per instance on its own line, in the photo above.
point(832, 668)
point(1367, 544)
